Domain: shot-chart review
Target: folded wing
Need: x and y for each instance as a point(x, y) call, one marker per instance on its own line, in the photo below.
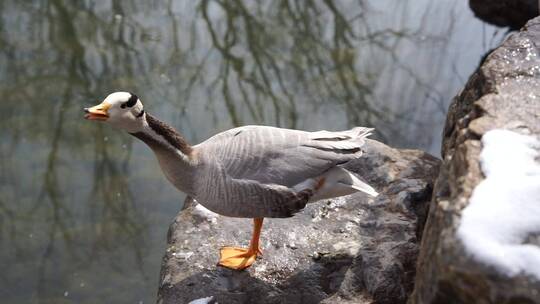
point(282, 156)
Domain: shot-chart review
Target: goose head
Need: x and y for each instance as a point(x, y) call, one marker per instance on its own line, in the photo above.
point(122, 110)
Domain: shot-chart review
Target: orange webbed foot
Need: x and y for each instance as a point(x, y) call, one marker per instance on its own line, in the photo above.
point(237, 258)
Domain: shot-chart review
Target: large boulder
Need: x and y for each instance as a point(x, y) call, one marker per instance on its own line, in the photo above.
point(511, 13)
point(504, 93)
point(353, 249)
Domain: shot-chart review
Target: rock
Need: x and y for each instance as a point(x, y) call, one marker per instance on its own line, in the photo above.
point(353, 249)
point(511, 13)
point(503, 93)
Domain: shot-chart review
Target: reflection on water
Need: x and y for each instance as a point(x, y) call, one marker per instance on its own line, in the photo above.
point(84, 209)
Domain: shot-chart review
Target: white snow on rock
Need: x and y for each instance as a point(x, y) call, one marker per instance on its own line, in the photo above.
point(504, 208)
point(202, 212)
point(202, 301)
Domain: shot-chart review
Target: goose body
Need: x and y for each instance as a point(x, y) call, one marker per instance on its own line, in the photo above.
point(250, 171)
point(260, 171)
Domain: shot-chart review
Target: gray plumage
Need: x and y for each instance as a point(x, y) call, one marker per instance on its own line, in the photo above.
point(251, 171)
point(259, 171)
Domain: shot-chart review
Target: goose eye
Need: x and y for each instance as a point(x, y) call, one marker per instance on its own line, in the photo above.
point(124, 105)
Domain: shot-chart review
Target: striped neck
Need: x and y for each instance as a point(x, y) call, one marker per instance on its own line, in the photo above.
point(175, 156)
point(160, 136)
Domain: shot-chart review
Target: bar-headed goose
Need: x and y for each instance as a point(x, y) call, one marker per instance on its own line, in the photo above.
point(251, 171)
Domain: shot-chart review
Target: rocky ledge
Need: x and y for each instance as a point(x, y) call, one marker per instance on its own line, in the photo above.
point(503, 93)
point(353, 249)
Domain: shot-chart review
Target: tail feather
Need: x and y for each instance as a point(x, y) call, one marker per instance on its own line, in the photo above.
point(354, 133)
point(361, 186)
point(338, 181)
point(362, 131)
point(352, 139)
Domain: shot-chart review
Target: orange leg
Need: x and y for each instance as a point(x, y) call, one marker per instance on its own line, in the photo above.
point(241, 258)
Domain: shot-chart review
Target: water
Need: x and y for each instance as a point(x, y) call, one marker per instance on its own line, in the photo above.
point(84, 208)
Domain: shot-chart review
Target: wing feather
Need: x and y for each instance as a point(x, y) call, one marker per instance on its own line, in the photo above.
point(282, 156)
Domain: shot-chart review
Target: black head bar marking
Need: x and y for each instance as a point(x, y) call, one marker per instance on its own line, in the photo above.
point(131, 101)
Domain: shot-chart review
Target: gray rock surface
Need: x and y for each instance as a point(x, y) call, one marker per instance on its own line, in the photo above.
point(503, 93)
point(511, 13)
point(348, 250)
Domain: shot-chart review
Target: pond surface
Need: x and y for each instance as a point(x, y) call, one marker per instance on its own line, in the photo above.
point(84, 209)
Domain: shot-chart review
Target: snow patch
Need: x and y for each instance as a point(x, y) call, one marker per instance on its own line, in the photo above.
point(202, 300)
point(504, 208)
point(204, 213)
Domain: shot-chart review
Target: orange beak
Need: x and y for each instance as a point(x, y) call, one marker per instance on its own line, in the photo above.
point(98, 112)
